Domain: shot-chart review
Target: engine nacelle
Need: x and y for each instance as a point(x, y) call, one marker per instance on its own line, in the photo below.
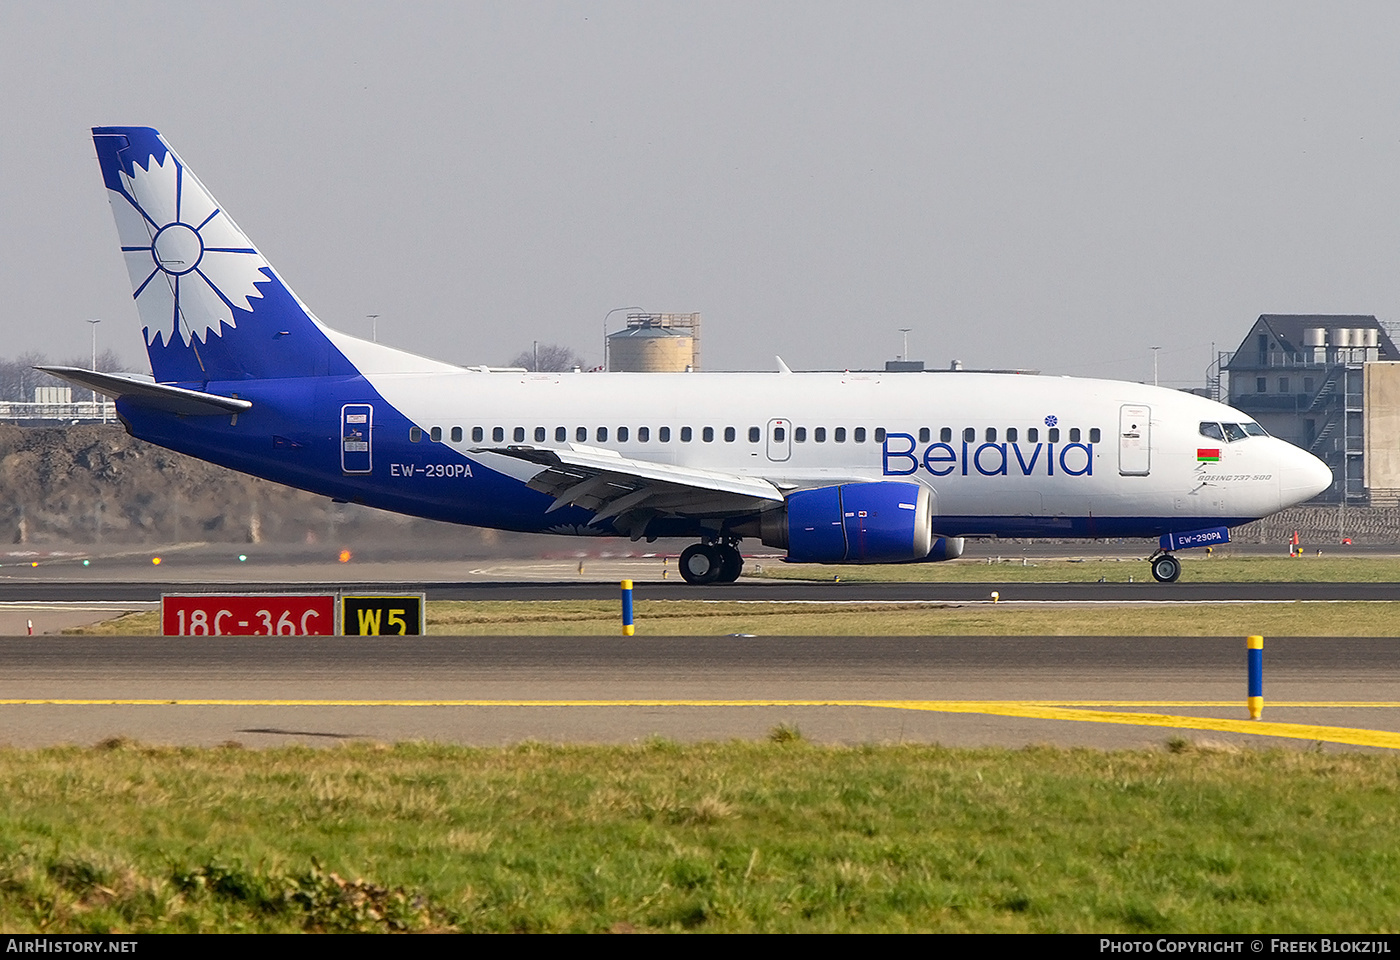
point(878, 522)
point(945, 548)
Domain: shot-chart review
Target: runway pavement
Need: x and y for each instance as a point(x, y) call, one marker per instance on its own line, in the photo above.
point(98, 590)
point(966, 691)
point(1010, 691)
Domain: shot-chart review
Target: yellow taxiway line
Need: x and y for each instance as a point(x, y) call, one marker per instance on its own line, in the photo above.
point(1083, 712)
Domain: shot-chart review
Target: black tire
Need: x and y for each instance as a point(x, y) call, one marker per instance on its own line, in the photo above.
point(731, 564)
point(1166, 569)
point(701, 563)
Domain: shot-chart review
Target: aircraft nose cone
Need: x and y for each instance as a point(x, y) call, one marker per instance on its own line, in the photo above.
point(1304, 477)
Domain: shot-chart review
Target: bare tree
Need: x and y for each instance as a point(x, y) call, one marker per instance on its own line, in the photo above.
point(547, 358)
point(18, 378)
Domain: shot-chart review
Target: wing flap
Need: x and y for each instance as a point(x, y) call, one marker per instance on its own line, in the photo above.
point(631, 492)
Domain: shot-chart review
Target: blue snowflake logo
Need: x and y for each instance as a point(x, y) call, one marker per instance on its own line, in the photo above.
point(190, 265)
point(1051, 421)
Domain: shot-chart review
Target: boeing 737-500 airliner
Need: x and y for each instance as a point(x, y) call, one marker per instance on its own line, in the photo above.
point(830, 467)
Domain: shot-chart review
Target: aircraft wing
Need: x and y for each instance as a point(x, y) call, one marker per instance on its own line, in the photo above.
point(159, 396)
point(631, 492)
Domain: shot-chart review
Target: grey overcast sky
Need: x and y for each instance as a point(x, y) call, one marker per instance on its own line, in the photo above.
point(1057, 185)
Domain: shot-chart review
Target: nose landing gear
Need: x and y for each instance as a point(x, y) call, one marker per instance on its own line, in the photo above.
point(703, 563)
point(1165, 567)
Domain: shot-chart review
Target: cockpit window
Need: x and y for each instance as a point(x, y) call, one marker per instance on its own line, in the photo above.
point(1212, 430)
point(1254, 430)
point(1233, 432)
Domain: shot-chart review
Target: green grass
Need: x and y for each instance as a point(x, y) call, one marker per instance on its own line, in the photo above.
point(1012, 567)
point(778, 835)
point(695, 618)
point(698, 618)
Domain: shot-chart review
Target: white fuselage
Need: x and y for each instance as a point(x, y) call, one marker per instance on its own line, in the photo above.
point(1041, 447)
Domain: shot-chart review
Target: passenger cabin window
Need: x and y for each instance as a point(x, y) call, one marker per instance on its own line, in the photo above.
point(686, 434)
point(708, 434)
point(519, 434)
point(643, 434)
point(729, 434)
point(664, 434)
point(539, 434)
point(456, 434)
point(621, 434)
point(879, 434)
point(1011, 434)
point(991, 434)
point(755, 434)
point(946, 435)
point(1054, 434)
point(969, 435)
point(1032, 434)
point(580, 434)
point(819, 434)
point(779, 434)
point(799, 434)
point(859, 435)
point(415, 435)
point(924, 434)
point(602, 434)
point(561, 434)
point(478, 434)
point(1095, 435)
point(498, 434)
point(839, 435)
point(436, 434)
point(1073, 434)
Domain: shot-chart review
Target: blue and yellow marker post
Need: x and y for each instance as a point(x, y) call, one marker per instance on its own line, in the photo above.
point(627, 628)
point(1254, 655)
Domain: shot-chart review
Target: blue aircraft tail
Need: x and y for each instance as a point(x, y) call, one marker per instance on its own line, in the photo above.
point(212, 306)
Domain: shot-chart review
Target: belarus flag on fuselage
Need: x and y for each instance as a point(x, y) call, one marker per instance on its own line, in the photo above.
point(1208, 454)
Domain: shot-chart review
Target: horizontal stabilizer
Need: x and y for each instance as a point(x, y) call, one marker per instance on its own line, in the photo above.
point(148, 393)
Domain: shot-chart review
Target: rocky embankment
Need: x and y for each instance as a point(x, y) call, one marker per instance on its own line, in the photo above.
point(92, 484)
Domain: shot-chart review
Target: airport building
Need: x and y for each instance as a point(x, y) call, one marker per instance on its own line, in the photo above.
point(55, 405)
point(656, 343)
point(1331, 385)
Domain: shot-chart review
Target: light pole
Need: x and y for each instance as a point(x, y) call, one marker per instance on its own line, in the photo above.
point(1154, 365)
point(905, 331)
point(605, 331)
point(94, 324)
point(374, 326)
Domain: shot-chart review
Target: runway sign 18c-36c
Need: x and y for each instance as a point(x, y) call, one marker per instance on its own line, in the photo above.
point(247, 616)
point(313, 615)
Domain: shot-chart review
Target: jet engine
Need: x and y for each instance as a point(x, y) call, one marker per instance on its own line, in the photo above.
point(877, 522)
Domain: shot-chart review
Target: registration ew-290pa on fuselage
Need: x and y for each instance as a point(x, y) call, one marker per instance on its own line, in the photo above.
point(831, 467)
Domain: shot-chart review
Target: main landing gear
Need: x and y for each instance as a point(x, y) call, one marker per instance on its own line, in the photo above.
point(711, 563)
point(1165, 567)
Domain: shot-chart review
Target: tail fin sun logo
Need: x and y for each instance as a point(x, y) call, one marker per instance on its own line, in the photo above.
point(190, 265)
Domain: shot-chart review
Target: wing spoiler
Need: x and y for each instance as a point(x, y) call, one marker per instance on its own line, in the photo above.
point(148, 393)
point(594, 461)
